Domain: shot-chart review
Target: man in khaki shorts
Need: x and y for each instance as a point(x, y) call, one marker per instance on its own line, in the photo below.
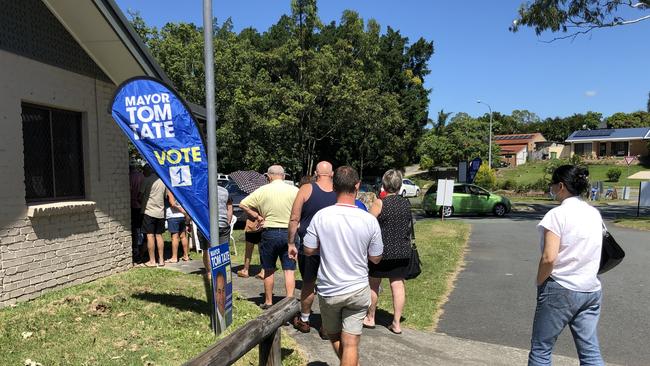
point(346, 238)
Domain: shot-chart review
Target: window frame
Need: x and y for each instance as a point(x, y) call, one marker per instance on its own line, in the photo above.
point(81, 154)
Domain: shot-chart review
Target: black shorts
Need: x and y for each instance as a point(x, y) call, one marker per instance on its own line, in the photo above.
point(308, 266)
point(253, 237)
point(152, 225)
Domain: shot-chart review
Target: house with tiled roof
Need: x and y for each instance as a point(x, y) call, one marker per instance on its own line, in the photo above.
point(610, 142)
point(517, 148)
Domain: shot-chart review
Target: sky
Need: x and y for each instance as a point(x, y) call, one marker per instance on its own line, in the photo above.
point(476, 57)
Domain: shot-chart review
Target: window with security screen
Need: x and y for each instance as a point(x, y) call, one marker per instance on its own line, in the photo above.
point(53, 154)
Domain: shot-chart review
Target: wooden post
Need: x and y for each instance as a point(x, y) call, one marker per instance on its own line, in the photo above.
point(270, 350)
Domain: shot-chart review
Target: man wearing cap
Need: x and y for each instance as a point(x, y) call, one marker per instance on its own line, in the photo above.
point(270, 207)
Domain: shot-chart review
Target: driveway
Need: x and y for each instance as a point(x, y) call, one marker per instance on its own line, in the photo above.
point(494, 296)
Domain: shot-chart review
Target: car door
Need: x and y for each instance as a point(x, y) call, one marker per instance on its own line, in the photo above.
point(460, 198)
point(479, 199)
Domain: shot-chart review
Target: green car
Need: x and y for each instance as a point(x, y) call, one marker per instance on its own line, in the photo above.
point(467, 198)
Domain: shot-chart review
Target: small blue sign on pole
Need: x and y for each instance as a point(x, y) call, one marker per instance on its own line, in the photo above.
point(222, 286)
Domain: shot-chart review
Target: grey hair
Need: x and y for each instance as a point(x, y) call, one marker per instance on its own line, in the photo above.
point(275, 170)
point(392, 181)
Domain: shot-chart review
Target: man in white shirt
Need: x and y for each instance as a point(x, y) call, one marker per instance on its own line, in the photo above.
point(346, 238)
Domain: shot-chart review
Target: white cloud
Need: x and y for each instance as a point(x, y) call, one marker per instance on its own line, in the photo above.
point(590, 93)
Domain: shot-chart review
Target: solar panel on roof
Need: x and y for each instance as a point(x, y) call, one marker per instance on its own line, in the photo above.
point(594, 133)
point(513, 137)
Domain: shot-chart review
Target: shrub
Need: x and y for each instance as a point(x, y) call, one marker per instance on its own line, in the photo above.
point(540, 185)
point(613, 174)
point(486, 177)
point(509, 185)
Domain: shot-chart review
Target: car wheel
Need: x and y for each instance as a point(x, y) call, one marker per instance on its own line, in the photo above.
point(500, 209)
point(417, 193)
point(403, 193)
point(446, 211)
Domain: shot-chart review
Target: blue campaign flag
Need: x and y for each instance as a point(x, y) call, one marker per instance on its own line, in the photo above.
point(160, 125)
point(474, 165)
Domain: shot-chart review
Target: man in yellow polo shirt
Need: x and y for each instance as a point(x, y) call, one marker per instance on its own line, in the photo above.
point(270, 206)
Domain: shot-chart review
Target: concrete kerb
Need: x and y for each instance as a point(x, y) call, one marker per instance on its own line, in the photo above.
point(379, 346)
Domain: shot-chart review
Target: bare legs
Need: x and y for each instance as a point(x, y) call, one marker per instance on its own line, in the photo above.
point(374, 296)
point(157, 238)
point(346, 347)
point(182, 236)
point(399, 299)
point(269, 278)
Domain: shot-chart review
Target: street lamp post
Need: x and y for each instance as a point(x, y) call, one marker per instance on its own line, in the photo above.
point(490, 141)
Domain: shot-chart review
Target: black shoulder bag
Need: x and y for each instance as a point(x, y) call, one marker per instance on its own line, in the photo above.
point(612, 254)
point(414, 268)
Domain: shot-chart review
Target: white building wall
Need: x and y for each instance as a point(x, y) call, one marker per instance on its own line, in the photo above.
point(76, 243)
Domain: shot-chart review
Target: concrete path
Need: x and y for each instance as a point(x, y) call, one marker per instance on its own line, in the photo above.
point(381, 347)
point(494, 296)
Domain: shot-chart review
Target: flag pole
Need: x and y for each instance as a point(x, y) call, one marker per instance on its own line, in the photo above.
point(211, 131)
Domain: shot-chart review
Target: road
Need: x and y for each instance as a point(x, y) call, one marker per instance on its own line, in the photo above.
point(494, 296)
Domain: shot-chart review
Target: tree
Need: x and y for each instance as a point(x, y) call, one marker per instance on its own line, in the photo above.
point(463, 139)
point(576, 17)
point(648, 106)
point(302, 91)
point(442, 121)
point(628, 120)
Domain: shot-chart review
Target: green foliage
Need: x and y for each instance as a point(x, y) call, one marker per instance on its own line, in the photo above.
point(509, 185)
point(485, 177)
point(303, 91)
point(579, 16)
point(463, 139)
point(628, 120)
point(613, 174)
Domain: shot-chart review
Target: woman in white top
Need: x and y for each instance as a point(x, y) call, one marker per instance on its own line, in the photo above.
point(568, 289)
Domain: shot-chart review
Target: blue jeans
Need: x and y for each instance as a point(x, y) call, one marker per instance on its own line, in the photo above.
point(274, 246)
point(558, 307)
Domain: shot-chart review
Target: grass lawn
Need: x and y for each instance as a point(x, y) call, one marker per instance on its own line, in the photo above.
point(639, 223)
point(531, 172)
point(139, 317)
point(441, 246)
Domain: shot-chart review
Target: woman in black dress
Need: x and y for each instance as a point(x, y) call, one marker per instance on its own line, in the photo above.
point(394, 216)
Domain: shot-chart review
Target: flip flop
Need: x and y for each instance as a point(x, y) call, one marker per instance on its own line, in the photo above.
point(161, 264)
point(171, 261)
point(186, 259)
point(149, 265)
point(393, 330)
point(369, 326)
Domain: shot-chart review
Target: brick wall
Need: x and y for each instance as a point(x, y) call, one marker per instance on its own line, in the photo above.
point(79, 244)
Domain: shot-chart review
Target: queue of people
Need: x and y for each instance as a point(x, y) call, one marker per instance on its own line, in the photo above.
point(345, 243)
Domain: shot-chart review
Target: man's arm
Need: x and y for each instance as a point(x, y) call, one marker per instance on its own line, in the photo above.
point(376, 246)
point(313, 251)
point(294, 222)
point(249, 206)
point(311, 241)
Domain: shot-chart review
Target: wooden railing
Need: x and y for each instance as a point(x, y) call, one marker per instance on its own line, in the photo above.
point(263, 331)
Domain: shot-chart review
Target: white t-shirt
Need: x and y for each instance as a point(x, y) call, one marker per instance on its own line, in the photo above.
point(173, 213)
point(346, 236)
point(579, 226)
